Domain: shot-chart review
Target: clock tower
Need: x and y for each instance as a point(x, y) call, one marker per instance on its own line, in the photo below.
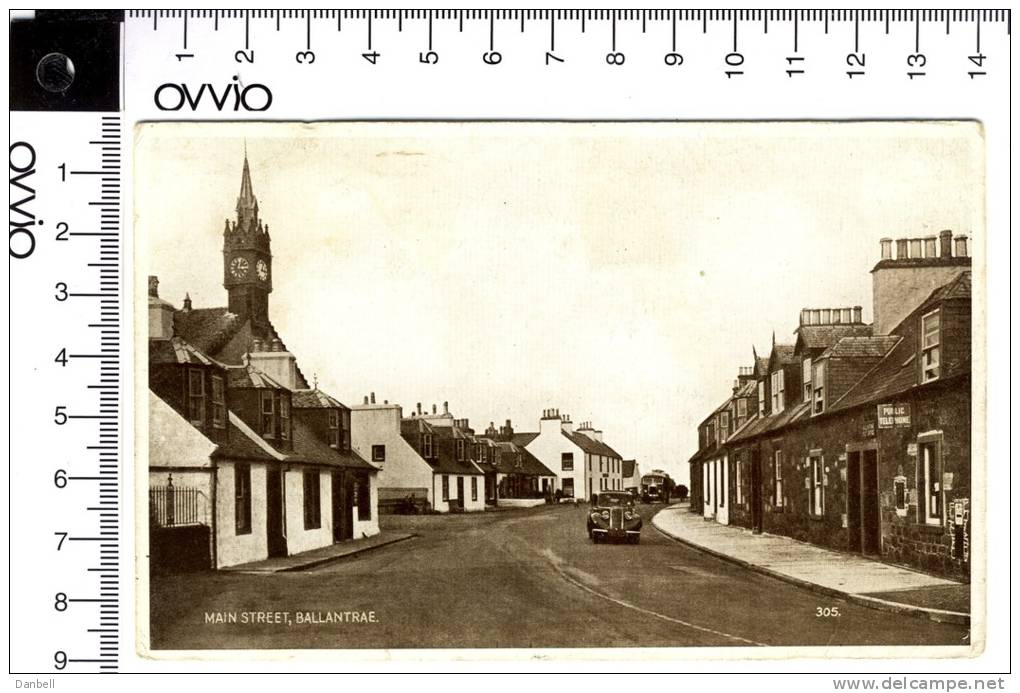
point(247, 260)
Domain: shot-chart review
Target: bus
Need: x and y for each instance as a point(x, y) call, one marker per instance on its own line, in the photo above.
point(656, 487)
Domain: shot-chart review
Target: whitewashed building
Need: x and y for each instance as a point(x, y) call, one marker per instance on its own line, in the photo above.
point(583, 463)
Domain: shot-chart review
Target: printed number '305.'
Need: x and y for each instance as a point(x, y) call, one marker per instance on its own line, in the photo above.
point(827, 612)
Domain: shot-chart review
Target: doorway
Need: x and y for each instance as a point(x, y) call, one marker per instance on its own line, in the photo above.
point(276, 533)
point(864, 523)
point(757, 519)
point(460, 492)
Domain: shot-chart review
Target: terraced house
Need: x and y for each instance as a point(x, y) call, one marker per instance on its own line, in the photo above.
point(862, 436)
point(584, 464)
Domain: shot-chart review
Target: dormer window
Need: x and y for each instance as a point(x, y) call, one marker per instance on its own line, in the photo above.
point(818, 395)
point(930, 341)
point(334, 428)
point(724, 425)
point(268, 414)
point(460, 449)
point(777, 392)
point(741, 409)
point(345, 430)
point(426, 445)
point(807, 380)
point(219, 402)
point(196, 396)
point(284, 417)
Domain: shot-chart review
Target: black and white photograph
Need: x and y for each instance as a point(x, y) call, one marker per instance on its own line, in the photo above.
point(578, 388)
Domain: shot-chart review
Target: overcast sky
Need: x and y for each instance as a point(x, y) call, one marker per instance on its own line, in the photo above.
point(618, 272)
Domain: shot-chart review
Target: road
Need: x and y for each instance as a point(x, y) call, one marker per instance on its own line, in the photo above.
point(521, 578)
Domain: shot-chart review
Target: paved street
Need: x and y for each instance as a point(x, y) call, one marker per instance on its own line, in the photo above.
point(520, 578)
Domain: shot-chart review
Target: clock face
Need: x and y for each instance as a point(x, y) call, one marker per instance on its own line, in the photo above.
point(239, 267)
point(262, 269)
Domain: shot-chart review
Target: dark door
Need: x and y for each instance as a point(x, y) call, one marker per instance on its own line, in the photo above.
point(347, 506)
point(276, 538)
point(871, 521)
point(337, 504)
point(460, 491)
point(853, 500)
point(757, 521)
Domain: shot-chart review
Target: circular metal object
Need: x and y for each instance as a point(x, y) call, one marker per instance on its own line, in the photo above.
point(55, 73)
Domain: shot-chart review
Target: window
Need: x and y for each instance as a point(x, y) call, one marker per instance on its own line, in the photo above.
point(334, 428)
point(600, 464)
point(724, 426)
point(378, 453)
point(364, 497)
point(268, 414)
point(817, 484)
point(242, 499)
point(761, 398)
point(819, 383)
point(196, 397)
point(313, 501)
point(807, 379)
point(426, 445)
point(929, 478)
point(446, 488)
point(460, 448)
point(567, 462)
point(723, 488)
point(219, 402)
point(738, 463)
point(741, 409)
point(345, 429)
point(777, 478)
point(777, 392)
point(474, 488)
point(284, 416)
point(930, 339)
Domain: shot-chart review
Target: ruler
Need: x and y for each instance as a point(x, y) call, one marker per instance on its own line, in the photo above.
point(70, 491)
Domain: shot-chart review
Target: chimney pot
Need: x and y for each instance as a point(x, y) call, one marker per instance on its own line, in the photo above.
point(929, 246)
point(154, 286)
point(886, 245)
point(419, 408)
point(857, 314)
point(366, 399)
point(803, 316)
point(946, 243)
point(187, 301)
point(901, 249)
point(371, 398)
point(826, 316)
point(961, 245)
point(915, 247)
point(433, 408)
point(446, 408)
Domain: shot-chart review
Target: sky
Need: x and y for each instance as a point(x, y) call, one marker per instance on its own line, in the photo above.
point(620, 272)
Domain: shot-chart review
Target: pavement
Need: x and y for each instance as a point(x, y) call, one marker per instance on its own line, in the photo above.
point(853, 577)
point(528, 578)
point(316, 557)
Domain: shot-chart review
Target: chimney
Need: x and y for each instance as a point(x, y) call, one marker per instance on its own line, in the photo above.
point(566, 424)
point(272, 359)
point(419, 408)
point(922, 265)
point(804, 316)
point(961, 246)
point(433, 409)
point(886, 245)
point(366, 399)
point(446, 408)
point(858, 318)
point(946, 243)
point(187, 301)
point(161, 313)
point(371, 398)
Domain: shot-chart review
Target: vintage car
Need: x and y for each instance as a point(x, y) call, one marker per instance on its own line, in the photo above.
point(613, 516)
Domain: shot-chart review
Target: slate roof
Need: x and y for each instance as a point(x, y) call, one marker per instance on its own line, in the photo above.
point(311, 449)
point(177, 351)
point(533, 466)
point(628, 467)
point(589, 445)
point(314, 399)
point(245, 444)
point(445, 461)
point(767, 424)
point(960, 287)
point(223, 335)
point(761, 365)
point(785, 353)
point(824, 336)
point(524, 439)
point(250, 377)
point(861, 347)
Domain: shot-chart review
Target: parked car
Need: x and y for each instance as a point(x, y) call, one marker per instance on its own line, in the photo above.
point(614, 516)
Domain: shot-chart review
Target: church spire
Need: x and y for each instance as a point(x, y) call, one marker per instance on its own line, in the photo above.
point(247, 205)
